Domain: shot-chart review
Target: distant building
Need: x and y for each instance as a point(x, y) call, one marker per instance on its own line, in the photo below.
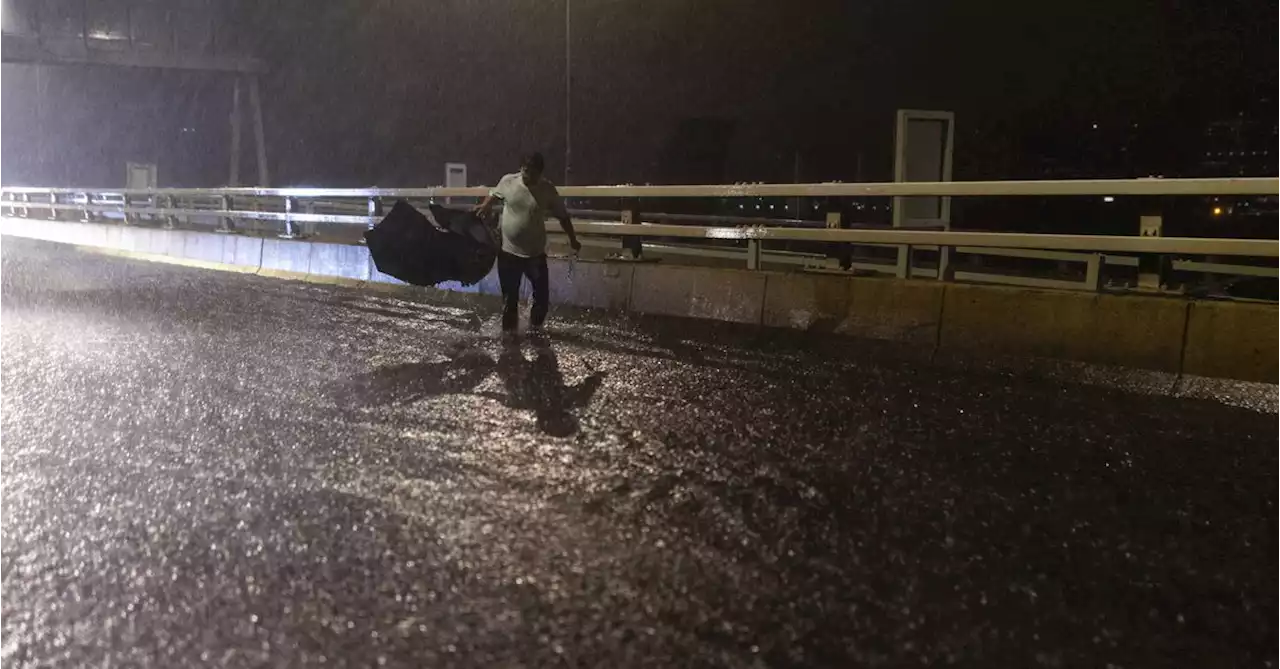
point(1242, 146)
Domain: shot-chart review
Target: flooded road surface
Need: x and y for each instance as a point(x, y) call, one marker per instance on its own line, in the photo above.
point(209, 469)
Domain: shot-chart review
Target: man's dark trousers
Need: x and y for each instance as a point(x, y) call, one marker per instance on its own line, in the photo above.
point(511, 268)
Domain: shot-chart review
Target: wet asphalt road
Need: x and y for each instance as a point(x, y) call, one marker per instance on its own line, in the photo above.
point(206, 469)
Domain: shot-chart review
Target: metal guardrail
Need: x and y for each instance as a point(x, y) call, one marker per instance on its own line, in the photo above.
point(1241, 186)
point(298, 209)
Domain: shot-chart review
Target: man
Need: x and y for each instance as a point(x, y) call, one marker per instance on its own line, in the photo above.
point(527, 198)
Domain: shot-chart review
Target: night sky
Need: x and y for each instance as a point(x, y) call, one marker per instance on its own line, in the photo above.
point(384, 92)
point(479, 81)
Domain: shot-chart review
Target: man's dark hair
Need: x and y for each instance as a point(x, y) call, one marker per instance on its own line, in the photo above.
point(534, 161)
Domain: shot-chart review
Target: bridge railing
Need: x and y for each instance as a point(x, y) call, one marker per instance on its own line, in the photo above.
point(903, 252)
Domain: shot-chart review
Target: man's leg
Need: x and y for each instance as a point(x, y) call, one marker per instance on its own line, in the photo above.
point(536, 270)
point(510, 270)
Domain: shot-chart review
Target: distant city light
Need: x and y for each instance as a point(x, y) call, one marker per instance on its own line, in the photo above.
point(1217, 211)
point(1095, 126)
point(1108, 198)
point(107, 35)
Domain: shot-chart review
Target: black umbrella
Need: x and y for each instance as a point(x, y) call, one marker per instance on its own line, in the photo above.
point(427, 249)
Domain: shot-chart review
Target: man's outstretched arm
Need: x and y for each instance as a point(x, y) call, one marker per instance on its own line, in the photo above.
point(568, 230)
point(566, 223)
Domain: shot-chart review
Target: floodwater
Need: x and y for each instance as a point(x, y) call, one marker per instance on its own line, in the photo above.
point(208, 469)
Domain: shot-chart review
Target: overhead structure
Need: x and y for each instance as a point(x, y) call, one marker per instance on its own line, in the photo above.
point(195, 35)
point(182, 35)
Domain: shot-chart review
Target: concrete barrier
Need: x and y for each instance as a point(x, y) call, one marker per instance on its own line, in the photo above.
point(457, 287)
point(1137, 331)
point(590, 285)
point(135, 240)
point(1232, 340)
point(906, 311)
point(242, 252)
point(1203, 338)
point(83, 234)
point(339, 261)
point(285, 258)
point(204, 246)
point(1143, 332)
point(698, 292)
point(811, 302)
point(168, 242)
point(489, 284)
point(114, 237)
point(378, 277)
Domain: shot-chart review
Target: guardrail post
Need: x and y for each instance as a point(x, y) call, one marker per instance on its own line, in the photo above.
point(1152, 268)
point(1093, 272)
point(225, 223)
point(26, 211)
point(53, 206)
point(170, 203)
point(903, 270)
point(290, 208)
point(85, 214)
point(753, 254)
point(946, 268)
point(375, 212)
point(631, 215)
point(309, 227)
point(843, 253)
point(125, 202)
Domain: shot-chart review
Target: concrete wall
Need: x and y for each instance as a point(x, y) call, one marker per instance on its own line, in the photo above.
point(871, 308)
point(698, 292)
point(1204, 338)
point(1231, 340)
point(1133, 331)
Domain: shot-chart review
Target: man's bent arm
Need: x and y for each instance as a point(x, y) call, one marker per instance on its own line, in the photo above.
point(482, 209)
point(495, 193)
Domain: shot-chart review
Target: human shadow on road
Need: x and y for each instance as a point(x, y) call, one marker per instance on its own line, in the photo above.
point(538, 385)
point(535, 385)
point(409, 382)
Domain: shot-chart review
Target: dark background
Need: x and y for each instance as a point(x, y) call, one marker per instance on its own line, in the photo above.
point(384, 92)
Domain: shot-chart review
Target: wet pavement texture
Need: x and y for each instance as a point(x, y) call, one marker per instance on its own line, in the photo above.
point(210, 469)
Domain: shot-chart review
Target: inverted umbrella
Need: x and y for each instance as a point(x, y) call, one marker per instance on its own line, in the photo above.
point(427, 249)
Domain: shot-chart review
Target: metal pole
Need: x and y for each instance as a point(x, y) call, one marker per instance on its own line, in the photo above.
point(259, 134)
point(568, 91)
point(234, 177)
point(40, 88)
point(796, 202)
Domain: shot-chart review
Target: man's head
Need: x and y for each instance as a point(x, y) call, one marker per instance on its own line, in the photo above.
point(531, 168)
